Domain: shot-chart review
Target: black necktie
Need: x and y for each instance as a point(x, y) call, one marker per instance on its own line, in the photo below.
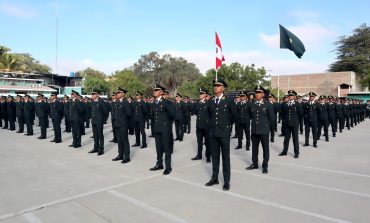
point(217, 101)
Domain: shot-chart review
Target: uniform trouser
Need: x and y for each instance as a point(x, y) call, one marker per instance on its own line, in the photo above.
point(76, 132)
point(123, 143)
point(244, 127)
point(5, 123)
point(203, 134)
point(325, 124)
point(98, 137)
point(291, 131)
point(67, 124)
point(301, 125)
point(43, 126)
point(283, 126)
point(1, 121)
point(272, 132)
point(140, 130)
point(162, 145)
point(264, 139)
point(171, 136)
point(20, 124)
point(179, 129)
point(333, 125)
point(87, 123)
point(131, 126)
point(341, 123)
point(147, 123)
point(57, 130)
point(82, 127)
point(29, 126)
point(237, 130)
point(114, 132)
point(187, 123)
point(220, 145)
point(351, 118)
point(152, 127)
point(12, 125)
point(310, 125)
point(348, 123)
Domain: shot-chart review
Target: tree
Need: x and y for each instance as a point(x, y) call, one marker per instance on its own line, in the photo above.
point(353, 52)
point(26, 63)
point(90, 72)
point(148, 67)
point(189, 88)
point(7, 62)
point(277, 93)
point(127, 79)
point(97, 83)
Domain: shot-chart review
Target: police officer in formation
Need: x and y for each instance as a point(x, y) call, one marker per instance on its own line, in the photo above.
point(56, 114)
point(75, 111)
point(3, 112)
point(181, 110)
point(243, 121)
point(43, 109)
point(67, 110)
point(202, 125)
point(19, 110)
point(140, 113)
point(99, 110)
point(11, 112)
point(310, 113)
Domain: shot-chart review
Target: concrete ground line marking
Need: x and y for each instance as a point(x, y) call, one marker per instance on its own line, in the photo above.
point(314, 168)
point(147, 207)
point(304, 184)
point(30, 217)
point(267, 203)
point(66, 199)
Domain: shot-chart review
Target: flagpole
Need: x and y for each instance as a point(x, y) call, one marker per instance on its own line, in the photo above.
point(216, 74)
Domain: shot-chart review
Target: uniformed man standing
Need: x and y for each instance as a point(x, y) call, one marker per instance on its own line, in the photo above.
point(310, 113)
point(273, 127)
point(283, 115)
point(340, 114)
point(140, 114)
point(346, 113)
point(20, 113)
point(122, 113)
point(99, 110)
point(170, 126)
point(292, 111)
point(111, 109)
point(202, 125)
point(29, 114)
point(11, 111)
point(243, 121)
point(180, 117)
point(262, 114)
point(332, 107)
point(4, 115)
point(56, 114)
point(163, 113)
point(43, 110)
point(188, 113)
point(67, 109)
point(223, 114)
point(87, 120)
point(75, 111)
point(323, 119)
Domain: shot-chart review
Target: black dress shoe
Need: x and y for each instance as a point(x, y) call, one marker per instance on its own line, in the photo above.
point(93, 151)
point(167, 171)
point(196, 158)
point(126, 160)
point(78, 146)
point(208, 160)
point(177, 139)
point(151, 136)
point(100, 153)
point(90, 136)
point(41, 137)
point(234, 137)
point(71, 145)
point(157, 167)
point(143, 146)
point(238, 147)
point(252, 167)
point(135, 145)
point(272, 140)
point(282, 154)
point(112, 140)
point(296, 156)
point(212, 182)
point(117, 158)
point(315, 146)
point(265, 171)
point(226, 187)
point(306, 144)
point(327, 140)
point(58, 141)
point(52, 140)
point(247, 149)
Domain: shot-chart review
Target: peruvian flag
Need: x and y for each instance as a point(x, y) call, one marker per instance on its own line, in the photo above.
point(219, 56)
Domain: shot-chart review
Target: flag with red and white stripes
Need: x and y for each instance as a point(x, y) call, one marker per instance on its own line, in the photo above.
point(219, 56)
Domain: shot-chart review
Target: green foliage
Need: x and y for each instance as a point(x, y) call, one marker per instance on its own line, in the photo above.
point(95, 83)
point(189, 88)
point(90, 72)
point(128, 80)
point(275, 91)
point(353, 52)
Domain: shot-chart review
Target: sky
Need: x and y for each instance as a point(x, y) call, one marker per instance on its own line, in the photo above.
point(110, 35)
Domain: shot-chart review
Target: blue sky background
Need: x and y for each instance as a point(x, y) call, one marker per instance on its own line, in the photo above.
point(112, 34)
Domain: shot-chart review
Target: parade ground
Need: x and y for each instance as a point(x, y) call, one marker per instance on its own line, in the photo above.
point(46, 182)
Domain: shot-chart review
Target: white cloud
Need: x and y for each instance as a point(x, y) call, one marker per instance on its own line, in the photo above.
point(18, 10)
point(312, 35)
point(65, 66)
point(205, 60)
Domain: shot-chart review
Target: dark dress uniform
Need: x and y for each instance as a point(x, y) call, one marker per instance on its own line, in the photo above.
point(122, 113)
point(340, 116)
point(131, 121)
point(43, 110)
point(29, 116)
point(67, 115)
point(4, 114)
point(188, 112)
point(112, 110)
point(20, 115)
point(323, 121)
point(263, 116)
point(99, 110)
point(163, 114)
point(88, 105)
point(332, 107)
point(202, 129)
point(347, 115)
point(83, 117)
point(243, 119)
point(310, 113)
point(223, 114)
point(75, 111)
point(301, 121)
point(56, 114)
point(11, 112)
point(140, 114)
point(292, 111)
point(180, 119)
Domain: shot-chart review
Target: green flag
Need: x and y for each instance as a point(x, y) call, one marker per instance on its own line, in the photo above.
point(289, 41)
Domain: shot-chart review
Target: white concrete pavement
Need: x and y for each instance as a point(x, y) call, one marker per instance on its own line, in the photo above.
point(46, 182)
